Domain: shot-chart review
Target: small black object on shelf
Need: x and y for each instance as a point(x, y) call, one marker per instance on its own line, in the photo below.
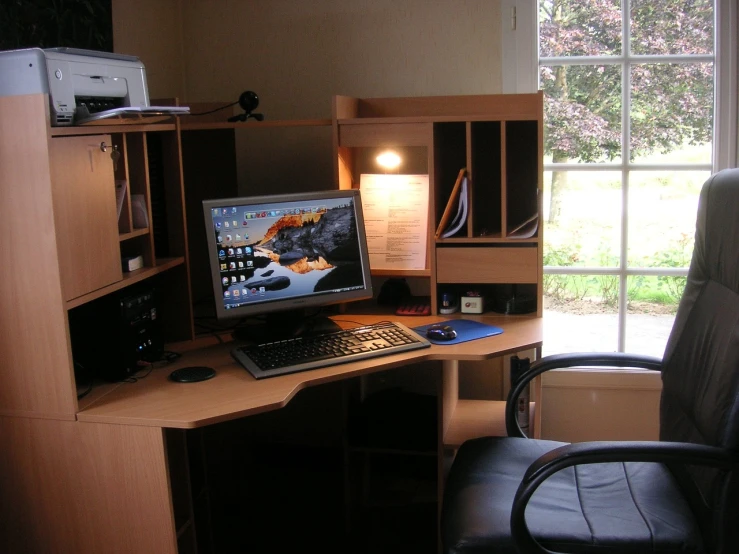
point(248, 102)
point(192, 374)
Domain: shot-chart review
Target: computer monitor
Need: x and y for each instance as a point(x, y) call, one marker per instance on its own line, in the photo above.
point(285, 256)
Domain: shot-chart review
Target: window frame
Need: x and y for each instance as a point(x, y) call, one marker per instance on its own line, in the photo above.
point(520, 73)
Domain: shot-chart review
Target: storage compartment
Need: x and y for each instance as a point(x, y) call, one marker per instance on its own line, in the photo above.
point(485, 177)
point(486, 264)
point(450, 155)
point(504, 298)
point(523, 170)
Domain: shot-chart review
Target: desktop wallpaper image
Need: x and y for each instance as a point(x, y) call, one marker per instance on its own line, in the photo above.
point(270, 252)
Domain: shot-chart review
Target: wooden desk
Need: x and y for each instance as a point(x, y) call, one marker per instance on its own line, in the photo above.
point(115, 479)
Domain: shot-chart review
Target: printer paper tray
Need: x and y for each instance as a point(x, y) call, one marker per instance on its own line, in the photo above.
point(117, 116)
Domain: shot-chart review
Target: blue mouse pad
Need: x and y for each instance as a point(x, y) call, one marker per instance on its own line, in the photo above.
point(466, 330)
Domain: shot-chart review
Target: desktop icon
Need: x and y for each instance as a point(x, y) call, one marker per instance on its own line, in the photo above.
point(225, 281)
point(233, 280)
point(226, 294)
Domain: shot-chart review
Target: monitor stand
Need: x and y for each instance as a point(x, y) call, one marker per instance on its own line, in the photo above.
point(284, 325)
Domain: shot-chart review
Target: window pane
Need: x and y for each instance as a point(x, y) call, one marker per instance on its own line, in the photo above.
point(578, 325)
point(651, 313)
point(671, 27)
point(575, 28)
point(662, 209)
point(582, 212)
point(671, 110)
point(582, 112)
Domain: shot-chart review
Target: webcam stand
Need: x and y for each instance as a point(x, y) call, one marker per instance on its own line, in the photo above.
point(248, 102)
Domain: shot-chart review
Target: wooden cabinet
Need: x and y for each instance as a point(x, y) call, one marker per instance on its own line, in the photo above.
point(85, 215)
point(63, 241)
point(497, 140)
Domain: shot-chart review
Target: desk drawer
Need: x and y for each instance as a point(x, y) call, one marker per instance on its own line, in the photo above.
point(487, 265)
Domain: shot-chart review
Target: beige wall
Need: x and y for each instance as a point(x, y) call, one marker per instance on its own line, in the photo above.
point(151, 29)
point(297, 54)
point(587, 405)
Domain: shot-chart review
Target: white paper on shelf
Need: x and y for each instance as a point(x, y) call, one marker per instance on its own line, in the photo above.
point(395, 211)
point(120, 193)
point(133, 112)
point(460, 218)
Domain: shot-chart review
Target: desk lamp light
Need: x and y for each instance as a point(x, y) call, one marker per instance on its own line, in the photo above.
point(388, 159)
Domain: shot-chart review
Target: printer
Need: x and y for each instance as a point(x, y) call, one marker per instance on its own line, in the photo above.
point(79, 82)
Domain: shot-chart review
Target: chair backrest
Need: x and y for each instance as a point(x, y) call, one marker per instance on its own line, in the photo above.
point(700, 377)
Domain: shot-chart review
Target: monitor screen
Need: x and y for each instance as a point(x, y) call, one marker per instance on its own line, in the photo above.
point(286, 252)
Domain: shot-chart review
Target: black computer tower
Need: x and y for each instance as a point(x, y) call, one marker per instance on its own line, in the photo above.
point(116, 336)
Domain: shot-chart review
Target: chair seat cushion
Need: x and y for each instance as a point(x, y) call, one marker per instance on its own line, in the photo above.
point(612, 507)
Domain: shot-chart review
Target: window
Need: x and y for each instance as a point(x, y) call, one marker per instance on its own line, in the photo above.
point(629, 139)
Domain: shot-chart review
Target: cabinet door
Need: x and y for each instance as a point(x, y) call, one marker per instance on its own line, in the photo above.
point(85, 213)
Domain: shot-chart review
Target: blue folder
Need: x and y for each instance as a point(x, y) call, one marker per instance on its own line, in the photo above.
point(466, 330)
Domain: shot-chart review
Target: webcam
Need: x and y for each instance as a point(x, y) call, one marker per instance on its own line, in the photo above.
point(248, 102)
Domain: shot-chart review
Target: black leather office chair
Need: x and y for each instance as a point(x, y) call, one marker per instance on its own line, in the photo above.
point(680, 494)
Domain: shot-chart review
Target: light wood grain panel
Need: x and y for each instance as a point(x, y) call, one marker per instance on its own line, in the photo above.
point(487, 265)
point(385, 134)
point(35, 359)
point(234, 393)
point(497, 106)
point(84, 488)
point(478, 418)
point(449, 393)
point(85, 213)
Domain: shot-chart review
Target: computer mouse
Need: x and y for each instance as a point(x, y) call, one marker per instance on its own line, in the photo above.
point(441, 332)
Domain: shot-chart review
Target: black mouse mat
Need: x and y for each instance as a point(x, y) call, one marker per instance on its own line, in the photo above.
point(466, 330)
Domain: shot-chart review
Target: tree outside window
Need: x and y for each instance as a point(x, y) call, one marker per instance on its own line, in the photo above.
point(629, 92)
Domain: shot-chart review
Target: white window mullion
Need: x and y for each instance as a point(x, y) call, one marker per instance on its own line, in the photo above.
point(726, 89)
point(625, 174)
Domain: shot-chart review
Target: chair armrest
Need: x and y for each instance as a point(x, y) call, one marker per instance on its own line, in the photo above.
point(618, 360)
point(601, 452)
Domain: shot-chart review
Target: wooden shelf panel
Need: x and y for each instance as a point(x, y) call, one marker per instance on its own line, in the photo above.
point(205, 126)
point(130, 278)
point(133, 234)
point(488, 240)
point(478, 418)
point(401, 272)
point(111, 129)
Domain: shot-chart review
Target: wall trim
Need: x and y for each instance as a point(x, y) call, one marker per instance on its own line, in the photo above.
point(627, 379)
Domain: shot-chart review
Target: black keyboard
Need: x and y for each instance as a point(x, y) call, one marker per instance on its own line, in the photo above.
point(302, 353)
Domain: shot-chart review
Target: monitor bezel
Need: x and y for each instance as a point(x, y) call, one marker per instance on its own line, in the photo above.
point(286, 304)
